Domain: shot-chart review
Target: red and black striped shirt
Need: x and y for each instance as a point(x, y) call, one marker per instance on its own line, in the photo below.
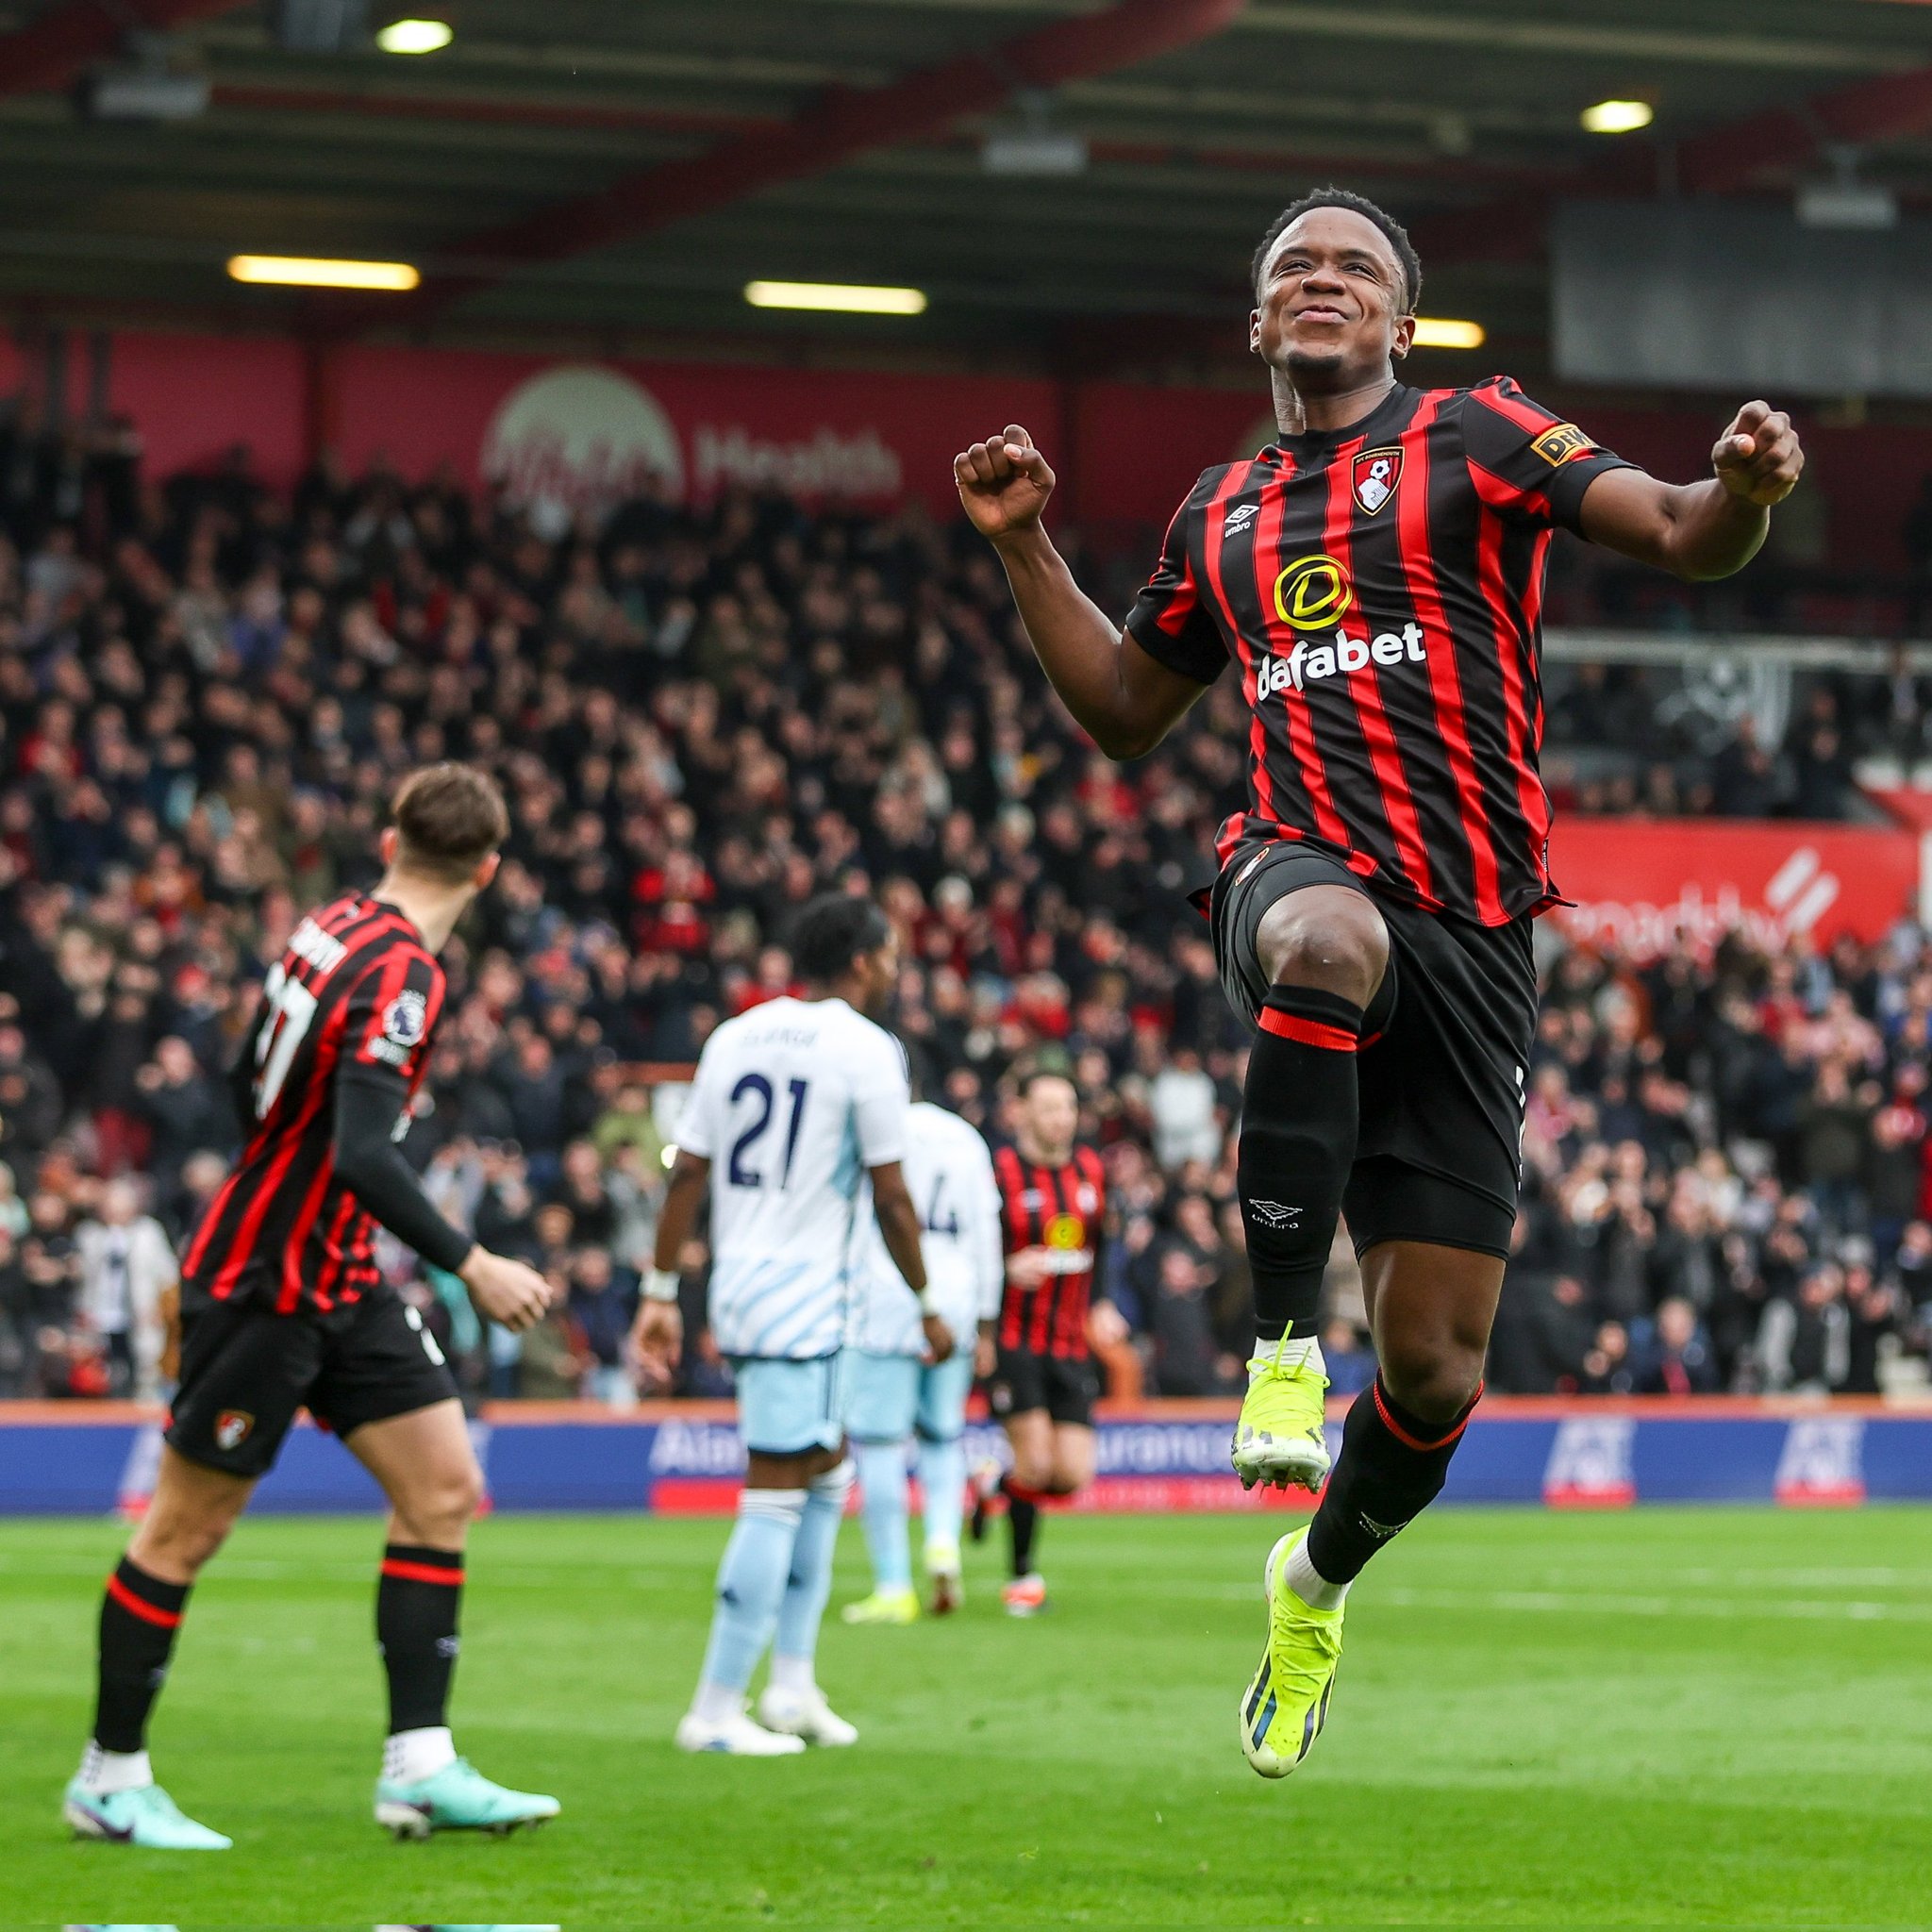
point(355, 989)
point(1381, 589)
point(1062, 1209)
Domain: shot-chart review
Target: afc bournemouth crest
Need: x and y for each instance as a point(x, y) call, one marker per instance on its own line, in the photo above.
point(1376, 474)
point(231, 1428)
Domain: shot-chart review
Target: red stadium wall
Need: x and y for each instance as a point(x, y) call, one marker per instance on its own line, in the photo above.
point(1127, 452)
point(1640, 885)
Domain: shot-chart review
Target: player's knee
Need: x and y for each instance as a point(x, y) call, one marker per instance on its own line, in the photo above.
point(443, 1505)
point(1433, 1380)
point(463, 1496)
point(1328, 938)
point(177, 1548)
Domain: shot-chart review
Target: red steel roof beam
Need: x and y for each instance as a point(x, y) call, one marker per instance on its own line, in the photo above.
point(842, 123)
point(60, 44)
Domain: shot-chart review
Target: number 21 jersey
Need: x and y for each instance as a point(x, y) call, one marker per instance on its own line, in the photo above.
point(793, 1103)
point(355, 989)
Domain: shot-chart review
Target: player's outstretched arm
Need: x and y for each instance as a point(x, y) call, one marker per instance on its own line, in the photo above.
point(1121, 697)
point(1702, 530)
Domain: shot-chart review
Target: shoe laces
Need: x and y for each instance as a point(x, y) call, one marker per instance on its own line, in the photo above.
point(1272, 1366)
point(1305, 1665)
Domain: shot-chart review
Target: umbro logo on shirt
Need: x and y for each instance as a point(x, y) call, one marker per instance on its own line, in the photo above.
point(1238, 518)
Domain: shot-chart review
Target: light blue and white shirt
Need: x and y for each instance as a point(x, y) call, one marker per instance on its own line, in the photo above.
point(793, 1103)
point(949, 1175)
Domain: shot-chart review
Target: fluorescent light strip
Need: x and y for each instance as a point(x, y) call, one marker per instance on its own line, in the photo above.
point(302, 272)
point(1437, 332)
point(1616, 117)
point(846, 298)
point(415, 37)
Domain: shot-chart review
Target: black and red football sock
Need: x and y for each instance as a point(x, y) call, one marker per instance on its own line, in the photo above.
point(417, 1601)
point(139, 1615)
point(1023, 1519)
point(1392, 1467)
point(1300, 1120)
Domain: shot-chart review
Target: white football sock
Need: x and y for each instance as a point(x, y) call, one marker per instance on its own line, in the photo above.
point(1310, 1584)
point(793, 1675)
point(103, 1773)
point(1303, 1348)
point(409, 1757)
point(716, 1703)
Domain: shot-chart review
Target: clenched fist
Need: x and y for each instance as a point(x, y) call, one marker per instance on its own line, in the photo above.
point(1003, 483)
point(1758, 456)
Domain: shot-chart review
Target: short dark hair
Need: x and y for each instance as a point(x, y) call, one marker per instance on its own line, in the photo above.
point(1396, 234)
point(1049, 1063)
point(449, 817)
point(832, 931)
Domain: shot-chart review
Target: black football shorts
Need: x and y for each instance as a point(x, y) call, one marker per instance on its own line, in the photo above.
point(1445, 1052)
point(1066, 1387)
point(247, 1370)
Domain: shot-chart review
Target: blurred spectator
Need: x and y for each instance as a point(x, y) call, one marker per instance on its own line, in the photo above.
point(1181, 1099)
point(1805, 1345)
point(1351, 1363)
point(126, 1268)
point(1679, 1360)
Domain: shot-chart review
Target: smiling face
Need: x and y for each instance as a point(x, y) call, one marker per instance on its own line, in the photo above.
point(1332, 306)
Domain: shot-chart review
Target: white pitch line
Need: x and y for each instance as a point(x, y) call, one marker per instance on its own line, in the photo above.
point(1571, 1604)
point(1560, 1603)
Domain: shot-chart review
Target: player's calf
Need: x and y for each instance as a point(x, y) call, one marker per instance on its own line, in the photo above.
point(1392, 1466)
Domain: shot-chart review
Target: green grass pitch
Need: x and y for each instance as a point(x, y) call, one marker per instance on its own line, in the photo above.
point(1696, 1717)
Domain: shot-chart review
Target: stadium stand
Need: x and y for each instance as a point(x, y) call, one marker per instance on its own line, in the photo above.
point(206, 690)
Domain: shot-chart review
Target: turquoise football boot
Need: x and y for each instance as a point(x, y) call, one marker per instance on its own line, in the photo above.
point(456, 1798)
point(144, 1816)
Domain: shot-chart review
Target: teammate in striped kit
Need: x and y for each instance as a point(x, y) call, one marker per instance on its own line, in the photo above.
point(1376, 574)
point(893, 1391)
point(1052, 1216)
point(283, 1308)
point(796, 1103)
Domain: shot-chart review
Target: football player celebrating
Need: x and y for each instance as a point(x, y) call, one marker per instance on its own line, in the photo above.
point(1376, 574)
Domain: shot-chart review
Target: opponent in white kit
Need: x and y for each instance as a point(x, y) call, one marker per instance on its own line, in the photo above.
point(892, 1387)
point(795, 1103)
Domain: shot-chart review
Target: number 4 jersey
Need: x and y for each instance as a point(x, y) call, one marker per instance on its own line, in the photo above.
point(356, 992)
point(949, 1175)
point(793, 1103)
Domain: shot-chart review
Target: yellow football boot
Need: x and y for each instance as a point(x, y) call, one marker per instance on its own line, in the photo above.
point(1286, 1704)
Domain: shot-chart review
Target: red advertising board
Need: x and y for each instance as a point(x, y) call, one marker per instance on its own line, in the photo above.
point(1127, 452)
point(1640, 885)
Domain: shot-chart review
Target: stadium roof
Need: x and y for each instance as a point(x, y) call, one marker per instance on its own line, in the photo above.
point(618, 169)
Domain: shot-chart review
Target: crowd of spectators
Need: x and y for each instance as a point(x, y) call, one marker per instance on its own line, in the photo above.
point(207, 692)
